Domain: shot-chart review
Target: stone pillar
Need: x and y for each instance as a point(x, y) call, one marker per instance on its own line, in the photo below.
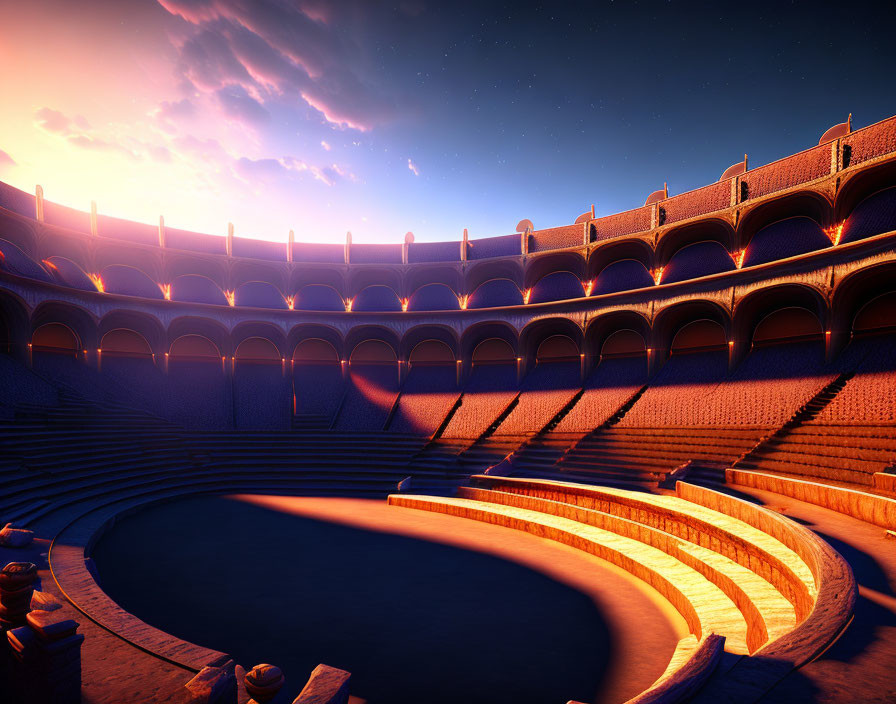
point(348, 247)
point(161, 232)
point(229, 243)
point(463, 246)
point(289, 244)
point(39, 203)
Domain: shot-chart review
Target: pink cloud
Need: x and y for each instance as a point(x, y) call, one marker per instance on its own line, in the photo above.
point(6, 159)
point(274, 49)
point(413, 168)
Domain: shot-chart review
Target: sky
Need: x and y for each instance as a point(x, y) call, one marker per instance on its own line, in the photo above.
point(381, 118)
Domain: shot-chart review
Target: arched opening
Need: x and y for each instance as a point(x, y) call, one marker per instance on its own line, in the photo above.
point(257, 350)
point(783, 239)
point(433, 297)
point(557, 348)
point(620, 373)
point(493, 351)
point(318, 297)
point(873, 216)
point(372, 387)
point(787, 325)
point(122, 342)
point(198, 395)
point(259, 294)
point(623, 343)
point(429, 391)
point(373, 352)
point(696, 260)
point(315, 351)
point(262, 395)
point(496, 293)
point(55, 338)
point(877, 316)
point(126, 359)
point(129, 281)
point(376, 299)
point(699, 336)
point(430, 352)
point(558, 286)
point(194, 288)
point(15, 261)
point(194, 348)
point(67, 273)
point(318, 383)
point(624, 275)
point(491, 387)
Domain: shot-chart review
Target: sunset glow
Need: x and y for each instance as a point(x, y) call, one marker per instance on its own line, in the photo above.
point(323, 118)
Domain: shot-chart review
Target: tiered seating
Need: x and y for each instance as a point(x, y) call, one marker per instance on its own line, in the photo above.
point(786, 238)
point(487, 394)
point(699, 259)
point(623, 275)
point(610, 385)
point(545, 391)
point(851, 439)
point(626, 223)
point(429, 392)
point(318, 388)
point(873, 216)
point(768, 586)
point(370, 394)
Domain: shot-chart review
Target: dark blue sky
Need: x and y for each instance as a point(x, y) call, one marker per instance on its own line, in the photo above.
point(386, 117)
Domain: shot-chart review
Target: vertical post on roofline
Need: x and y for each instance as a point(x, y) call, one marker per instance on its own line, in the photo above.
point(229, 243)
point(524, 242)
point(93, 227)
point(162, 241)
point(39, 203)
point(348, 247)
point(289, 244)
point(463, 246)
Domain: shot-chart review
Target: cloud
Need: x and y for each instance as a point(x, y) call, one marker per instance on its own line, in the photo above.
point(276, 50)
point(240, 106)
point(54, 121)
point(6, 159)
point(413, 168)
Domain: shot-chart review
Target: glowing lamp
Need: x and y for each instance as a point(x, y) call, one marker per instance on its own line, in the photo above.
point(98, 282)
point(291, 302)
point(231, 300)
point(348, 304)
point(835, 232)
point(657, 275)
point(526, 294)
point(166, 291)
point(463, 301)
point(731, 343)
point(588, 285)
point(740, 258)
point(404, 304)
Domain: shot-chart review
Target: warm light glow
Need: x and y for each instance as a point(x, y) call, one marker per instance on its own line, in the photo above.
point(526, 294)
point(589, 285)
point(740, 258)
point(229, 295)
point(348, 308)
point(47, 262)
point(835, 232)
point(98, 282)
point(463, 301)
point(731, 343)
point(657, 275)
point(291, 302)
point(404, 304)
point(166, 291)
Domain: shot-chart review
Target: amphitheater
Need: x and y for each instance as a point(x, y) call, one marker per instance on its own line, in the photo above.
point(647, 457)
